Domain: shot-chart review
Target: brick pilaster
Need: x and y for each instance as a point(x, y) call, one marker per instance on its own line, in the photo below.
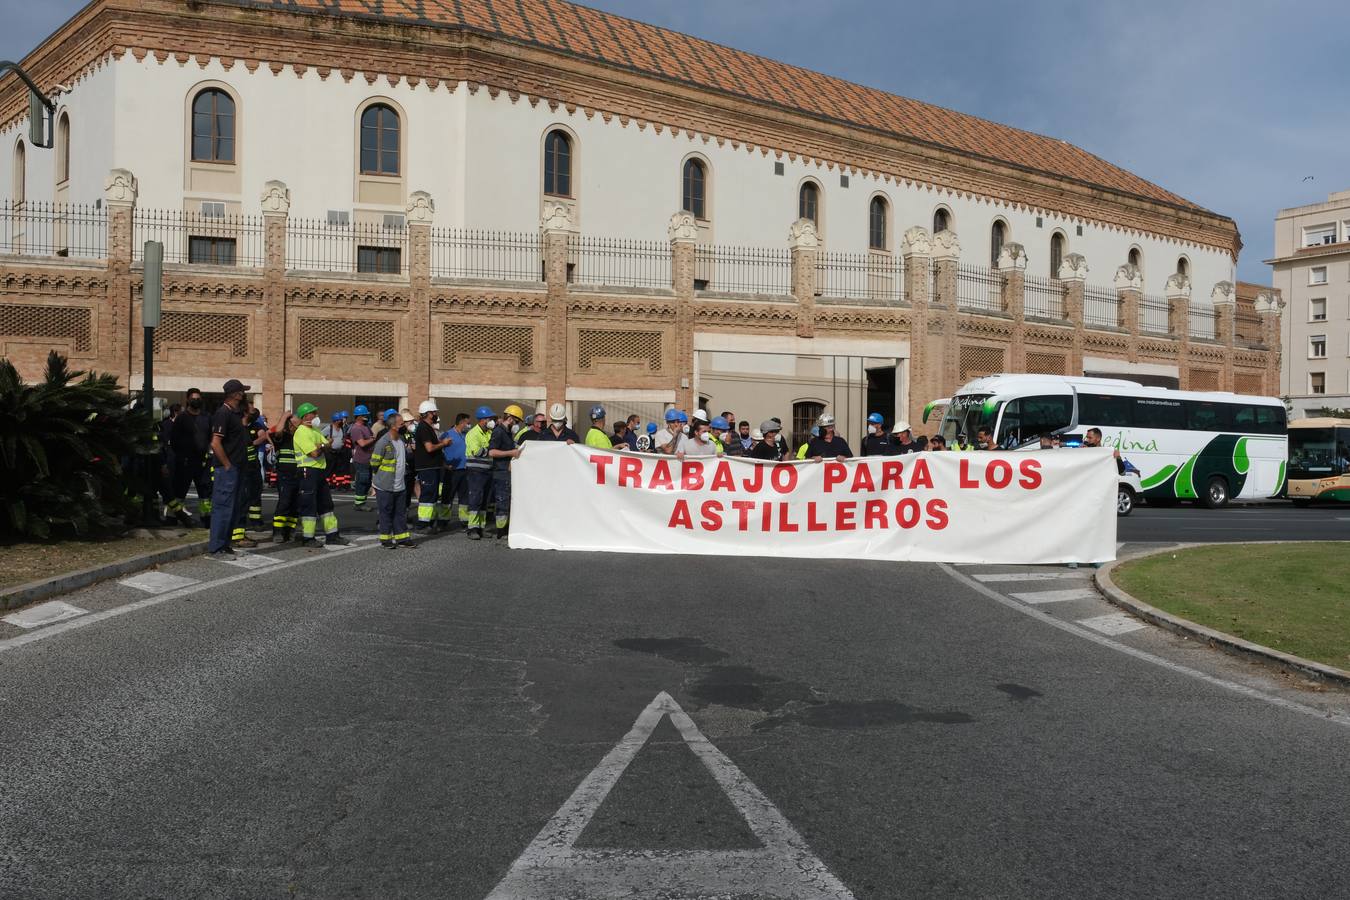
point(917, 249)
point(683, 234)
point(114, 318)
point(1268, 305)
point(1129, 285)
point(276, 210)
point(421, 211)
point(805, 244)
point(1073, 272)
point(1012, 266)
point(558, 227)
point(946, 259)
point(1179, 324)
point(1224, 300)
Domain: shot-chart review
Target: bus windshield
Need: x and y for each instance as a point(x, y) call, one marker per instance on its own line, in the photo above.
point(967, 414)
point(1318, 452)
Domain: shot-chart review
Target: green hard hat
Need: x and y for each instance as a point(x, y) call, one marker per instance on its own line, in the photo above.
point(306, 409)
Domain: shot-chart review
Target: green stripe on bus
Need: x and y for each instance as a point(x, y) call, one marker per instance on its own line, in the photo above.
point(1241, 463)
point(1182, 486)
point(1157, 477)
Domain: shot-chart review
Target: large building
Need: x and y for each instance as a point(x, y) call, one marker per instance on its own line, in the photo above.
point(539, 201)
point(1312, 271)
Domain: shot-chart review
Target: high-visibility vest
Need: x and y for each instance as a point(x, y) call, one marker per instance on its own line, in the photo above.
point(597, 438)
point(307, 440)
point(476, 443)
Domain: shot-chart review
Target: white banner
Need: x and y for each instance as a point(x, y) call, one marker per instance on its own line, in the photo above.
point(1051, 506)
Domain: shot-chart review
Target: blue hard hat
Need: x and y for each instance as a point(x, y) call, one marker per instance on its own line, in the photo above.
point(338, 415)
point(720, 423)
point(597, 412)
point(360, 410)
point(651, 426)
point(875, 419)
point(672, 415)
point(389, 414)
point(483, 412)
point(815, 431)
point(684, 416)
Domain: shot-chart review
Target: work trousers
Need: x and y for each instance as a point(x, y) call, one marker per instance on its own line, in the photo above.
point(501, 497)
point(286, 516)
point(225, 494)
point(253, 485)
point(455, 493)
point(360, 482)
point(188, 470)
point(393, 510)
point(428, 497)
point(477, 484)
point(316, 501)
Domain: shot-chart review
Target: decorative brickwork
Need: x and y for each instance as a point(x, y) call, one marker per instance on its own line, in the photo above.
point(346, 334)
point(1047, 363)
point(594, 345)
point(1248, 383)
point(72, 326)
point(460, 340)
point(203, 329)
point(977, 362)
point(1204, 380)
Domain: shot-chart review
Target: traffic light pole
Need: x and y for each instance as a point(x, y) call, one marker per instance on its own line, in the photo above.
point(40, 108)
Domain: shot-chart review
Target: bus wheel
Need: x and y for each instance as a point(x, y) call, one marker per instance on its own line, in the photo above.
point(1216, 494)
point(1124, 501)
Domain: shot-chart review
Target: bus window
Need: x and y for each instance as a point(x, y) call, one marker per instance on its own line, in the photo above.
point(1153, 413)
point(1031, 417)
point(1202, 415)
point(1313, 453)
point(1258, 419)
point(1104, 409)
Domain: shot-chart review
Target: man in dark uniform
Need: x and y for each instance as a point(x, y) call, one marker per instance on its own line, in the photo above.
point(828, 443)
point(877, 442)
point(228, 448)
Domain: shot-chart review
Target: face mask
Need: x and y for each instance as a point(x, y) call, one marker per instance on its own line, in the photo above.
point(316, 422)
point(491, 424)
point(684, 428)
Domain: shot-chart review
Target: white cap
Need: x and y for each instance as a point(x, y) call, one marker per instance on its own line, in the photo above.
point(701, 415)
point(426, 407)
point(900, 428)
point(756, 434)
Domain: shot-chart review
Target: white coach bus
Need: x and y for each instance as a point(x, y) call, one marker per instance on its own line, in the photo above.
point(1188, 445)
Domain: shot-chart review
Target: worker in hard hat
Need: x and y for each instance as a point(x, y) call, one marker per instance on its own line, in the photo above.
point(877, 442)
point(454, 498)
point(827, 443)
point(316, 500)
point(427, 464)
point(699, 441)
point(362, 440)
point(558, 430)
point(596, 436)
point(388, 459)
point(533, 430)
point(667, 440)
point(478, 468)
point(518, 416)
point(902, 440)
point(502, 448)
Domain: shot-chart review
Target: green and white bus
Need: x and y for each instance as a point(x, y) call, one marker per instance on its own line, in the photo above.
point(1207, 446)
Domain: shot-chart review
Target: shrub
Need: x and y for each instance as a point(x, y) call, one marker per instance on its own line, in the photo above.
point(67, 446)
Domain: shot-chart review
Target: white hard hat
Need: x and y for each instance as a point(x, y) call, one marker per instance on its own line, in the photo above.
point(900, 428)
point(557, 413)
point(426, 407)
point(825, 420)
point(701, 415)
point(756, 434)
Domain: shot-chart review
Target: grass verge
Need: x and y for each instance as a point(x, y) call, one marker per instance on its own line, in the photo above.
point(1289, 597)
point(22, 563)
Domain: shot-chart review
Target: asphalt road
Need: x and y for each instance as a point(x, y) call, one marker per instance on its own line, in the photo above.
point(374, 723)
point(1246, 522)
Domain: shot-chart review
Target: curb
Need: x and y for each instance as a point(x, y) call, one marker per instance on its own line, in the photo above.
point(24, 594)
point(1227, 643)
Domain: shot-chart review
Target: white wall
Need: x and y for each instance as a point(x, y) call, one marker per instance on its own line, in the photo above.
point(480, 158)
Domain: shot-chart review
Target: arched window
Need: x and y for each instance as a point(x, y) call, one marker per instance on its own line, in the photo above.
point(1135, 258)
point(997, 233)
point(63, 149)
point(20, 173)
point(808, 203)
point(558, 164)
point(379, 140)
point(213, 127)
point(1056, 253)
point(694, 188)
point(804, 416)
point(1183, 266)
point(942, 220)
point(876, 224)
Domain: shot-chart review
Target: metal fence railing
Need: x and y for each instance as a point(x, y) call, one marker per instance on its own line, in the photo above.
point(1101, 307)
point(1154, 314)
point(67, 230)
point(189, 237)
point(1247, 327)
point(1203, 322)
point(619, 262)
point(487, 255)
point(874, 277)
point(317, 246)
point(743, 270)
point(1043, 298)
point(978, 288)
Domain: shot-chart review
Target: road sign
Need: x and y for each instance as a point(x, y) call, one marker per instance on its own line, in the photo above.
point(553, 868)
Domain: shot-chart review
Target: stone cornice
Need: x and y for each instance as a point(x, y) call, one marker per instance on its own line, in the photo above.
point(291, 43)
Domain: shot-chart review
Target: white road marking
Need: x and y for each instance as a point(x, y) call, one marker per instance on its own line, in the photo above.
point(157, 582)
point(1083, 593)
point(1028, 576)
point(251, 561)
point(367, 537)
point(43, 614)
point(1112, 623)
point(1143, 655)
point(552, 868)
point(91, 618)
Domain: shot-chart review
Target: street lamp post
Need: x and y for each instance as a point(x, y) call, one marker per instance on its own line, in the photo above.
point(152, 291)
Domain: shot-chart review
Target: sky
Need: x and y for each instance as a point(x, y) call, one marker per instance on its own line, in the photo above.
point(1240, 107)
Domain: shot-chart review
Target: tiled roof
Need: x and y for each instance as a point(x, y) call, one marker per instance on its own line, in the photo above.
point(618, 41)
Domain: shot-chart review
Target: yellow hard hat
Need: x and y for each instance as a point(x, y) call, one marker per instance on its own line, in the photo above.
point(514, 410)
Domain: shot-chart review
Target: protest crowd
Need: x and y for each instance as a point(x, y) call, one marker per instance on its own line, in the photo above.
point(428, 474)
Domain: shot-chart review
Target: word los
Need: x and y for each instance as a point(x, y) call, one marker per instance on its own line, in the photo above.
point(781, 478)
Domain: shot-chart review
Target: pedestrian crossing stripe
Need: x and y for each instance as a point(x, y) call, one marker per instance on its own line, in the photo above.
point(552, 867)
